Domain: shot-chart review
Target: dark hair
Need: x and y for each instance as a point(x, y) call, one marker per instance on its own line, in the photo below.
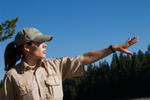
point(12, 54)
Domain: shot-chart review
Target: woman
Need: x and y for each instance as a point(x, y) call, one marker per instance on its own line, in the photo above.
point(37, 79)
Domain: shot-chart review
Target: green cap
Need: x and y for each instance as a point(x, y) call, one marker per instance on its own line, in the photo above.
point(31, 34)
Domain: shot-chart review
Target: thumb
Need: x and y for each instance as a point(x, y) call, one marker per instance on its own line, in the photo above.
point(126, 51)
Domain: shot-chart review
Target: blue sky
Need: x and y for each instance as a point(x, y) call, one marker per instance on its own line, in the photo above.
point(79, 26)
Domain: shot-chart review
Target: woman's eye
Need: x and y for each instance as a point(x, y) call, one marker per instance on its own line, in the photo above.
point(40, 43)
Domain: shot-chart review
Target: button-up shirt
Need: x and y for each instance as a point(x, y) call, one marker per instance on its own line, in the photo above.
point(42, 83)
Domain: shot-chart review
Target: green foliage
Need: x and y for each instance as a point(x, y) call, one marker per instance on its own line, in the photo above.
point(7, 29)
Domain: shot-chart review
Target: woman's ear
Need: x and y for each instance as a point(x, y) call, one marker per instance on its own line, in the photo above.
point(26, 48)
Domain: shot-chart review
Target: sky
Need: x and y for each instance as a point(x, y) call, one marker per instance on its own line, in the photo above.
point(80, 26)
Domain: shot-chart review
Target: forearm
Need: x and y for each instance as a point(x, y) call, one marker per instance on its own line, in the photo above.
point(94, 56)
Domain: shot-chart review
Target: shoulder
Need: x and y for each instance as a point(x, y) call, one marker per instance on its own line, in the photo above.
point(10, 72)
point(13, 71)
point(56, 59)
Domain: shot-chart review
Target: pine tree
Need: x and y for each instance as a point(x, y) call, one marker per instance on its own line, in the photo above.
point(114, 63)
point(147, 55)
point(7, 29)
point(148, 49)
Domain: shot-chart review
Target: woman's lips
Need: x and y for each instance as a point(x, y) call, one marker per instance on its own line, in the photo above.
point(44, 52)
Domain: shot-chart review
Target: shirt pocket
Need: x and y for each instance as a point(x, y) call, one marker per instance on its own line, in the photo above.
point(54, 86)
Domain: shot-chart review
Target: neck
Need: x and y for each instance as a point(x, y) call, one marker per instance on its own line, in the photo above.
point(32, 61)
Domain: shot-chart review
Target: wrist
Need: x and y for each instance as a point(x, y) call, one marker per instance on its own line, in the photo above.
point(112, 48)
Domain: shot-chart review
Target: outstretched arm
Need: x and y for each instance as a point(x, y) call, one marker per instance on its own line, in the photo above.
point(94, 56)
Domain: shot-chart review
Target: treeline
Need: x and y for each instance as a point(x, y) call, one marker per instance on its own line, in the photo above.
point(126, 77)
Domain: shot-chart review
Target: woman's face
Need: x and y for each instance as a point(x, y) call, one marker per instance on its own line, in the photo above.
point(37, 50)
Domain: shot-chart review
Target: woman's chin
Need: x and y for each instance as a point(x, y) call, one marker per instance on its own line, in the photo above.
point(43, 57)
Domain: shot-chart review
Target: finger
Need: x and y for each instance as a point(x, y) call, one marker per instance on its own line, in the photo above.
point(133, 40)
point(137, 38)
point(129, 39)
point(127, 52)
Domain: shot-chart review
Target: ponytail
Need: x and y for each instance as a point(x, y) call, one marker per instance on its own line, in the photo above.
point(12, 55)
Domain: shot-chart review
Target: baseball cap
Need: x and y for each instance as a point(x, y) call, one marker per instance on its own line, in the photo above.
point(31, 34)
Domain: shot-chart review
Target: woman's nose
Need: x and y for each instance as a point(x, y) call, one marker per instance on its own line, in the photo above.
point(44, 44)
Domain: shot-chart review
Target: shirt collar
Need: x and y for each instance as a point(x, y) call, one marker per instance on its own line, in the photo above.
point(25, 66)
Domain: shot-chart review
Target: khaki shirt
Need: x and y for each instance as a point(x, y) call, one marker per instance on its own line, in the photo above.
point(42, 83)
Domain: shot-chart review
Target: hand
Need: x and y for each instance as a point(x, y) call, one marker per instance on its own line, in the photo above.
point(124, 47)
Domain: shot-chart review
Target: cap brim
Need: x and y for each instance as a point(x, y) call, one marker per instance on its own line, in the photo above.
point(43, 38)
